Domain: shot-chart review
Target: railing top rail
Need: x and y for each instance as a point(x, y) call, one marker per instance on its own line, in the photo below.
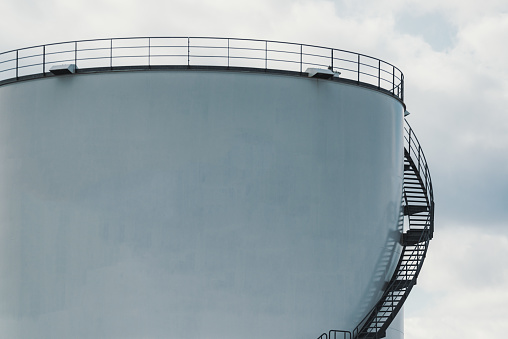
point(368, 70)
point(198, 37)
point(416, 152)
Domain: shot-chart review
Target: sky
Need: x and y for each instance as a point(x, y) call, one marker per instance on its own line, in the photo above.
point(454, 57)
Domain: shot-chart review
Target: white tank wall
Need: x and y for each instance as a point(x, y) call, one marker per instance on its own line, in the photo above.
point(396, 328)
point(194, 204)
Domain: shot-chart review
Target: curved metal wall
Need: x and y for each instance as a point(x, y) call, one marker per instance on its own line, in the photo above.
point(195, 204)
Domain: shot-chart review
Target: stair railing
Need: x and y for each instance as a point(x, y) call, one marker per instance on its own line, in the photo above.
point(421, 222)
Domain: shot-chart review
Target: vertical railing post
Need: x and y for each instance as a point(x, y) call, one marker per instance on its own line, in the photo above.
point(401, 86)
point(149, 53)
point(17, 64)
point(188, 52)
point(379, 74)
point(393, 80)
point(432, 218)
point(111, 53)
point(266, 54)
point(76, 54)
point(228, 52)
point(409, 140)
point(419, 158)
point(44, 60)
point(331, 65)
point(301, 58)
point(358, 68)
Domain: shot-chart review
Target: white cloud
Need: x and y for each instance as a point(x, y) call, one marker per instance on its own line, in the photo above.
point(459, 11)
point(484, 41)
point(467, 276)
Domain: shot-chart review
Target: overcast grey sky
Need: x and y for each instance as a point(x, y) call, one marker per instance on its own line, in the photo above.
point(453, 54)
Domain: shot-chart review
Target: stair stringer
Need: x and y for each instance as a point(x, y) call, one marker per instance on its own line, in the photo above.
point(418, 206)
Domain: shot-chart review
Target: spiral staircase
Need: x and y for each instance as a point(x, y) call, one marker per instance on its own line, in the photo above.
point(418, 208)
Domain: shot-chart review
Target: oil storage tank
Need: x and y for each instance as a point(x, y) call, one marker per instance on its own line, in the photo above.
point(206, 188)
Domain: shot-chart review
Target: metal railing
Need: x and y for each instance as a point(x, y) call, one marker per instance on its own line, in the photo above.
point(154, 52)
point(336, 334)
point(413, 147)
point(417, 194)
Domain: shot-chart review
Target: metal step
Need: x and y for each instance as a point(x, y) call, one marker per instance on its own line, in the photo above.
point(372, 335)
point(412, 237)
point(401, 284)
point(412, 209)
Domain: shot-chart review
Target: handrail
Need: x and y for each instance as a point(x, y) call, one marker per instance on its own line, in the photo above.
point(410, 263)
point(343, 334)
point(332, 334)
point(413, 147)
point(201, 51)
